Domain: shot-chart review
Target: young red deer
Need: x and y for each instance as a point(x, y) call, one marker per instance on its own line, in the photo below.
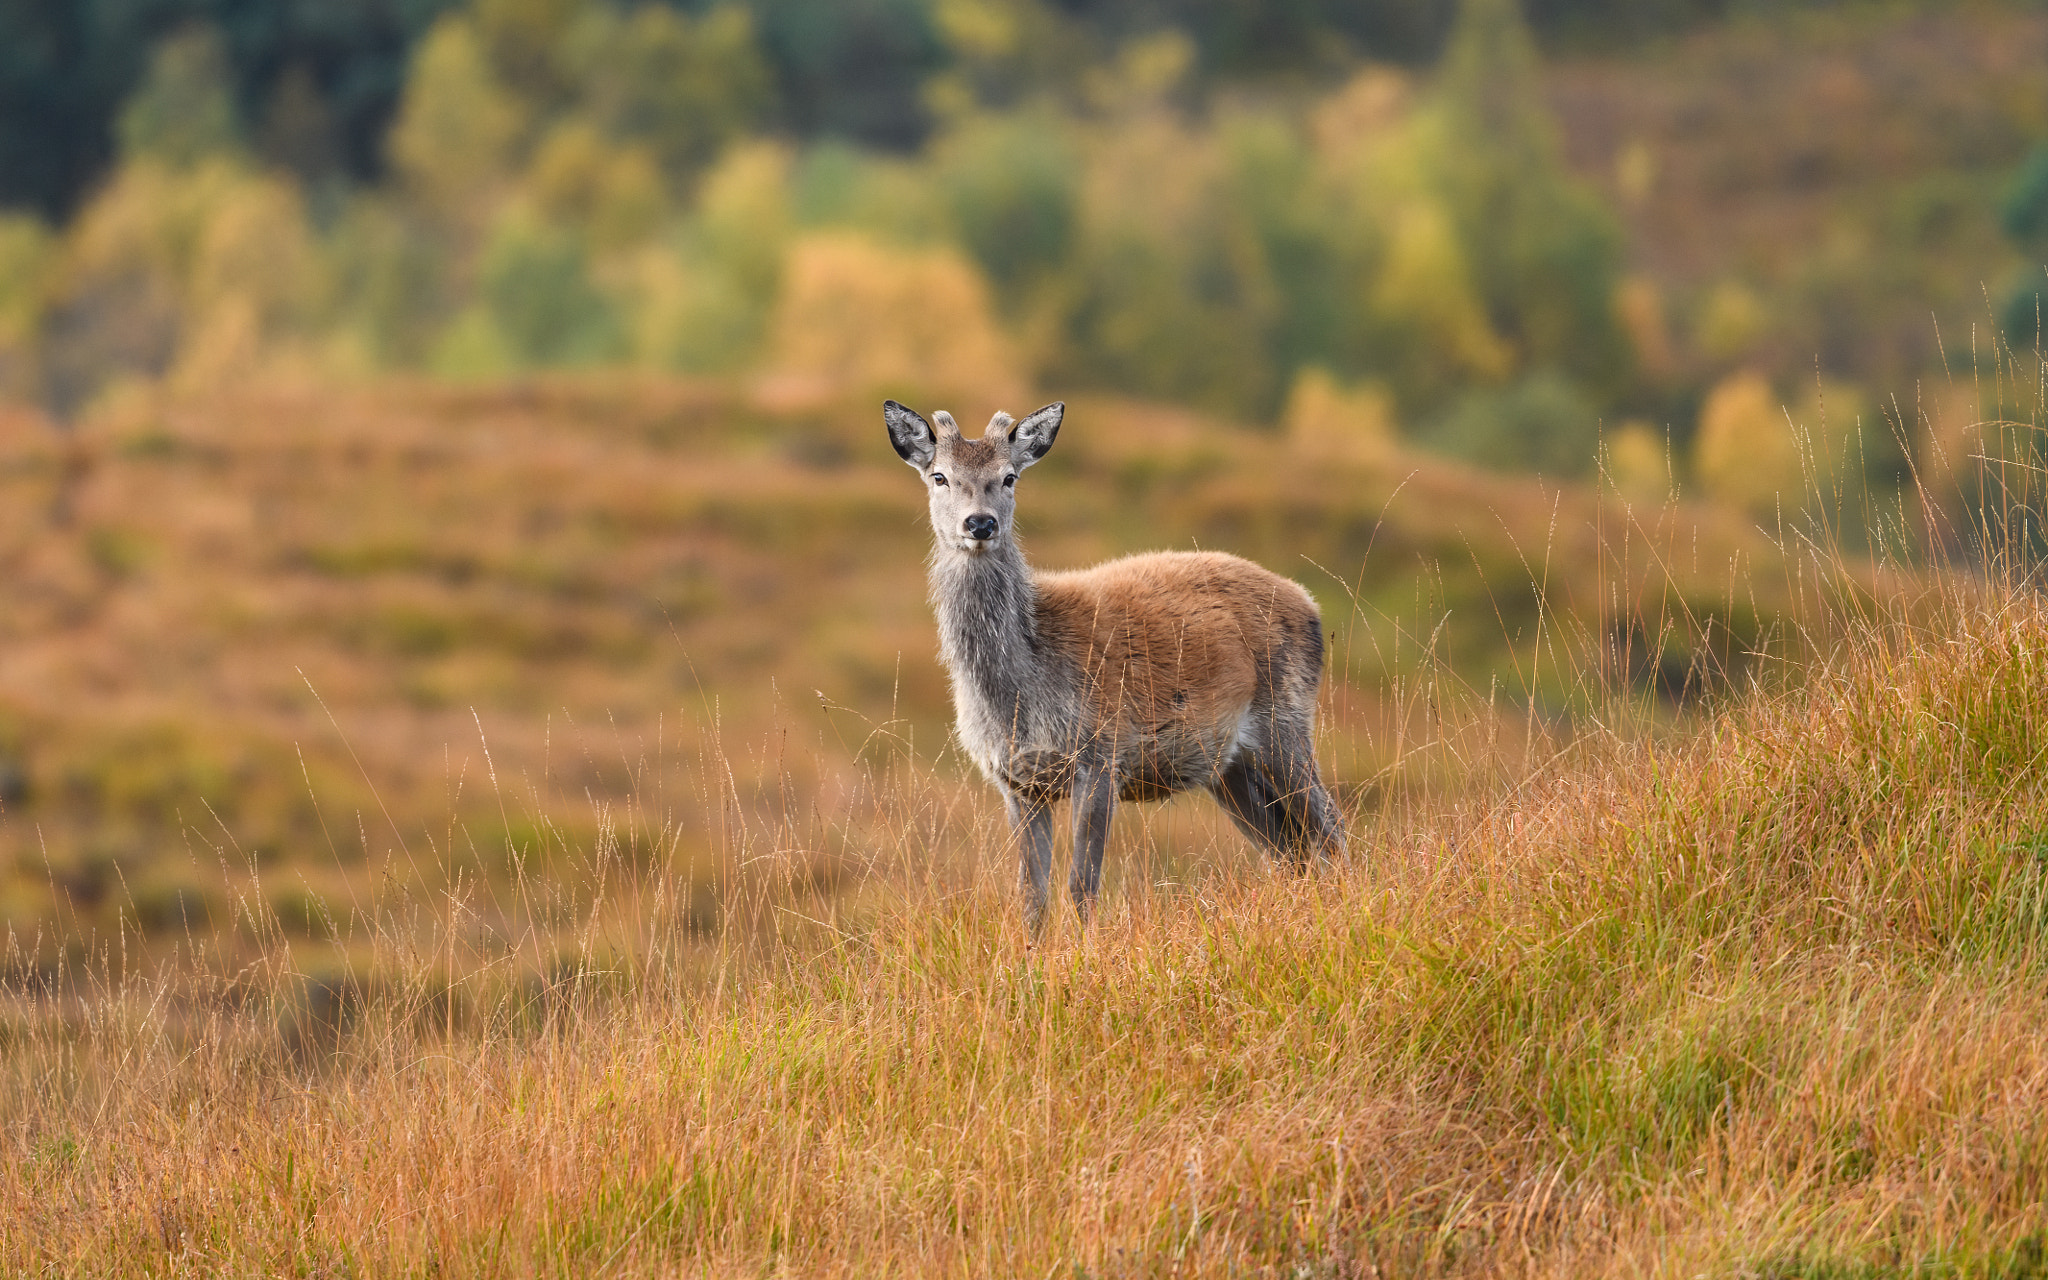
point(1135, 679)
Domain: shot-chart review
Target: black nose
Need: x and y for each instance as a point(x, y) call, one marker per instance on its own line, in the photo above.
point(981, 528)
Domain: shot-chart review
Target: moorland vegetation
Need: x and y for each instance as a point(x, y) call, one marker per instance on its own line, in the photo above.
point(475, 790)
point(1755, 994)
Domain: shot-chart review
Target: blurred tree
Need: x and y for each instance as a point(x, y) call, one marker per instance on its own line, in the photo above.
point(2025, 218)
point(188, 263)
point(702, 305)
point(1335, 421)
point(1545, 255)
point(1745, 453)
point(298, 130)
point(249, 287)
point(852, 69)
point(858, 69)
point(1542, 423)
point(182, 113)
point(66, 67)
point(197, 272)
point(1432, 326)
point(1168, 292)
point(389, 277)
point(610, 192)
point(537, 289)
point(1006, 53)
point(454, 138)
point(528, 43)
point(27, 254)
point(1012, 183)
point(1310, 247)
point(856, 316)
point(405, 260)
point(685, 87)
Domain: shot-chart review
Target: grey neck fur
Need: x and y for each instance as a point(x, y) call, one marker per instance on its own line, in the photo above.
point(987, 613)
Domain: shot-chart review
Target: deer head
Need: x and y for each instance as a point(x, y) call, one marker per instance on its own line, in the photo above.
point(972, 484)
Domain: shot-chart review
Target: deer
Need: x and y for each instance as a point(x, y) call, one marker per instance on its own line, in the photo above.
point(1134, 680)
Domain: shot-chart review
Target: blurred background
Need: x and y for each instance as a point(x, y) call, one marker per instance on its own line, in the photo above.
point(436, 430)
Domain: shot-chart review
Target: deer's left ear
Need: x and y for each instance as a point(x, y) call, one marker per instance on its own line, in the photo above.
point(1031, 438)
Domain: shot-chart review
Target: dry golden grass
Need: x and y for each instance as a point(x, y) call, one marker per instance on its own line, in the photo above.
point(325, 638)
point(696, 966)
point(1760, 998)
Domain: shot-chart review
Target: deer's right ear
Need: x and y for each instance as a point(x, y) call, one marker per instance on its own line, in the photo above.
point(911, 434)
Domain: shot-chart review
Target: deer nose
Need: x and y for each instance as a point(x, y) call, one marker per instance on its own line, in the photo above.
point(981, 528)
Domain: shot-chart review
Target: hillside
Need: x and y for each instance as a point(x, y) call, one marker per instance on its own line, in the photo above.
point(477, 793)
point(1760, 999)
point(315, 629)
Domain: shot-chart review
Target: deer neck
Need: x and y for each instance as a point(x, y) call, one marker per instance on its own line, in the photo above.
point(987, 612)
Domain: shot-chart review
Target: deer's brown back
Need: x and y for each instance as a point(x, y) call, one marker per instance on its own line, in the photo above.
point(1193, 639)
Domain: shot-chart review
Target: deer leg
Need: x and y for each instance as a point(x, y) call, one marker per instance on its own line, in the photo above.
point(1031, 820)
point(1315, 822)
point(1314, 826)
point(1274, 796)
point(1247, 794)
point(1094, 797)
point(1321, 822)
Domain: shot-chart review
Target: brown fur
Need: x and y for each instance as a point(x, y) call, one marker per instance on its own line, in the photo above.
point(1177, 646)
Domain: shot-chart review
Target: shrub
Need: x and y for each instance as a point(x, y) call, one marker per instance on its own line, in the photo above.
point(858, 316)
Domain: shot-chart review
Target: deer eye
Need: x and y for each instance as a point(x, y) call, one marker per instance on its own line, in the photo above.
point(939, 479)
point(1009, 482)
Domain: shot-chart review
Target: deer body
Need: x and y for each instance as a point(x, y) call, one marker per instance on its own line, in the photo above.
point(1133, 680)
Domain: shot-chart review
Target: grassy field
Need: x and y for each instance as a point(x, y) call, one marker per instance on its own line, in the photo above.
point(512, 830)
point(1761, 996)
point(336, 640)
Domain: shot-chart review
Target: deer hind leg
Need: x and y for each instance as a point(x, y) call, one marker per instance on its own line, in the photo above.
point(1317, 818)
point(1273, 795)
point(1031, 820)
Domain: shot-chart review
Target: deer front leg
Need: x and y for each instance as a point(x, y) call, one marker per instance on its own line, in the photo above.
point(1031, 820)
point(1094, 796)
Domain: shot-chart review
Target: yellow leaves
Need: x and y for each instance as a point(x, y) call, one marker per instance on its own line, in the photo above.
point(26, 254)
point(1753, 452)
point(197, 271)
point(614, 192)
point(1635, 171)
point(254, 244)
point(1730, 320)
point(1637, 464)
point(1146, 72)
point(1329, 418)
point(704, 310)
point(1745, 454)
point(1153, 180)
point(977, 28)
point(743, 212)
point(456, 129)
point(859, 316)
point(684, 87)
point(1640, 307)
point(1426, 282)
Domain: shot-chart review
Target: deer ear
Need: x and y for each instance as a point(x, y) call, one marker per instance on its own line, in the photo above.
point(911, 434)
point(1031, 438)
